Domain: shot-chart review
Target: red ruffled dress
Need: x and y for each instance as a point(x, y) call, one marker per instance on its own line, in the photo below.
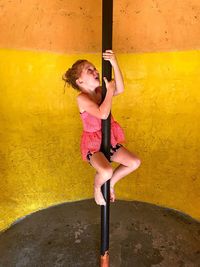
point(91, 136)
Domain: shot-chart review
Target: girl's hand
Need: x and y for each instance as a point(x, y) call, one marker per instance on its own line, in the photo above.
point(111, 86)
point(110, 56)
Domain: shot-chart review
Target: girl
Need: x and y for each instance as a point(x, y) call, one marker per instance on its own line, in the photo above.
point(84, 77)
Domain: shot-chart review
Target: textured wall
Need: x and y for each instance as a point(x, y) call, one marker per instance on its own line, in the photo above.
point(40, 162)
point(75, 26)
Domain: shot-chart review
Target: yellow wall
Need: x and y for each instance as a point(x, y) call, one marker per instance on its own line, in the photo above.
point(40, 161)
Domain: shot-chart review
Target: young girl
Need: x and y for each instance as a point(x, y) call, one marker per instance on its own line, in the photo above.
point(84, 77)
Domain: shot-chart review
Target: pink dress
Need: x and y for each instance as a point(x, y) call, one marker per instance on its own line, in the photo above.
point(91, 136)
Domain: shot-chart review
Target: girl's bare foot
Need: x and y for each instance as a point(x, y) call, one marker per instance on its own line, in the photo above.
point(112, 194)
point(99, 199)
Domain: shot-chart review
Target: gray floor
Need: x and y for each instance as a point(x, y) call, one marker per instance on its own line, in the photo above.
point(141, 235)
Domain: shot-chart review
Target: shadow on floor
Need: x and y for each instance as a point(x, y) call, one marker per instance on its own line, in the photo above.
point(68, 235)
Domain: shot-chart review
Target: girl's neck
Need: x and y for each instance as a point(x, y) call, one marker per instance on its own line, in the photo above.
point(89, 92)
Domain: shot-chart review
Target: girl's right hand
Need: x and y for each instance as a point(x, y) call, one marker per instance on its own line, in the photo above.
point(110, 86)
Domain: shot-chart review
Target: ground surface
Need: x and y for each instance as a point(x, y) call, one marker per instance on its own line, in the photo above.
point(67, 235)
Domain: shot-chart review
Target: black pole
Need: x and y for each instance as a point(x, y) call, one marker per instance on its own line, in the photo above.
point(107, 17)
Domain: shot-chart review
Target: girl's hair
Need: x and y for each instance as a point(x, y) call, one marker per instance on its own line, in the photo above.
point(73, 73)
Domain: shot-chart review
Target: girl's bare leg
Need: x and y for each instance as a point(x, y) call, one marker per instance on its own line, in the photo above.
point(128, 163)
point(104, 173)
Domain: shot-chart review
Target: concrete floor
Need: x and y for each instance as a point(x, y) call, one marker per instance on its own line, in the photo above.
point(67, 235)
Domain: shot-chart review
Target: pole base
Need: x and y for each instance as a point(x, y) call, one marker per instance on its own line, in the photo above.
point(105, 260)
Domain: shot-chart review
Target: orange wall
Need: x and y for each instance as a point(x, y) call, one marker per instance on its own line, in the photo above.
point(75, 26)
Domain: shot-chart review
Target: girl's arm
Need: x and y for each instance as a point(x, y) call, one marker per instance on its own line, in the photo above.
point(85, 103)
point(110, 56)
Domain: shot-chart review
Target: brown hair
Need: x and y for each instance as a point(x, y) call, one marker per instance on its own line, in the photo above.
point(73, 73)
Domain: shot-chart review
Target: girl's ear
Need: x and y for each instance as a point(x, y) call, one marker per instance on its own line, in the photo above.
point(79, 81)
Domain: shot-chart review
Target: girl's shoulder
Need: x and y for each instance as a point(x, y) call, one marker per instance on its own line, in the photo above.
point(82, 96)
point(83, 100)
point(79, 99)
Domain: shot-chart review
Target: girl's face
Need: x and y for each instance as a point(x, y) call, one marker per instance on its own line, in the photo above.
point(89, 77)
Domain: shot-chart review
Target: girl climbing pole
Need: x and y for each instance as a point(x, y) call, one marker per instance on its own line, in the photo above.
point(84, 77)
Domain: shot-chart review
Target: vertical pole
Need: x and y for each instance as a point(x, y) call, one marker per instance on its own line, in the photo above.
point(107, 17)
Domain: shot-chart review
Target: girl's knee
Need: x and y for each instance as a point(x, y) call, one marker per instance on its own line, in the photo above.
point(106, 173)
point(135, 163)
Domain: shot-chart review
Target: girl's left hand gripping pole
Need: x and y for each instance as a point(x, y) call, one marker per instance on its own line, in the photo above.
point(107, 18)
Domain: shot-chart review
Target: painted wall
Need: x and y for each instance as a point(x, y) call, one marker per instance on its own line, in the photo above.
point(40, 162)
point(75, 26)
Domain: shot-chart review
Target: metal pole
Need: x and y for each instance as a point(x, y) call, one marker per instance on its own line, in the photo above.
point(107, 17)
